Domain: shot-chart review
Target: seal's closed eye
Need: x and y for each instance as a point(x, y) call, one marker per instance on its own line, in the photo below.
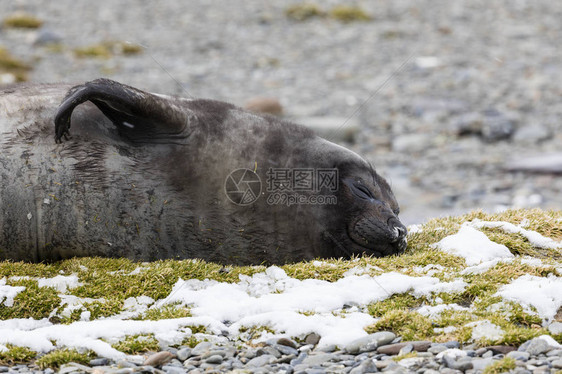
point(139, 116)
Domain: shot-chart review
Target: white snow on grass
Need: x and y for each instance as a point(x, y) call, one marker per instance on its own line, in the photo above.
point(88, 335)
point(434, 312)
point(473, 245)
point(7, 293)
point(278, 301)
point(536, 239)
point(60, 283)
point(543, 293)
point(485, 330)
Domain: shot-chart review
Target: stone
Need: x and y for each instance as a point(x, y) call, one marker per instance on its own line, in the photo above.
point(183, 353)
point(126, 364)
point(332, 128)
point(481, 363)
point(496, 126)
point(159, 358)
point(437, 348)
point(533, 133)
point(102, 361)
point(536, 346)
point(288, 343)
point(413, 143)
point(501, 349)
point(46, 37)
point(519, 355)
point(557, 364)
point(550, 163)
point(267, 105)
point(285, 349)
point(312, 338)
point(367, 366)
point(466, 124)
point(394, 349)
point(214, 359)
point(201, 348)
point(173, 369)
point(261, 361)
point(4, 369)
point(370, 342)
point(555, 328)
point(327, 348)
point(554, 352)
point(318, 359)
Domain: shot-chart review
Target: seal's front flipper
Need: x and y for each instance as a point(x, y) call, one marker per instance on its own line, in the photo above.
point(139, 116)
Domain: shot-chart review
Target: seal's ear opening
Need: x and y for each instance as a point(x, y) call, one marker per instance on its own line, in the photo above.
point(139, 116)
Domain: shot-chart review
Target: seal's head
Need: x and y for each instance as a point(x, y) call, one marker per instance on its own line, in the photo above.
point(365, 219)
point(372, 213)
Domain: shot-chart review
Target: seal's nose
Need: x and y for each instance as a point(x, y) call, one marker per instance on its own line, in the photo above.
point(398, 229)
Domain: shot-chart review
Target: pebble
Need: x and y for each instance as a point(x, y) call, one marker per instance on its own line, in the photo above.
point(370, 342)
point(183, 354)
point(555, 328)
point(535, 346)
point(158, 359)
point(267, 105)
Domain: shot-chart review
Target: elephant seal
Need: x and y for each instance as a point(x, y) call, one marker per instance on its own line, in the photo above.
point(148, 176)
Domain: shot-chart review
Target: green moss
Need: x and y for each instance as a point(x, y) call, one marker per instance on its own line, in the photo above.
point(304, 11)
point(108, 49)
point(191, 341)
point(33, 302)
point(349, 13)
point(93, 51)
point(22, 20)
point(57, 358)
point(407, 324)
point(403, 301)
point(137, 344)
point(166, 312)
point(407, 355)
point(11, 65)
point(502, 366)
point(15, 355)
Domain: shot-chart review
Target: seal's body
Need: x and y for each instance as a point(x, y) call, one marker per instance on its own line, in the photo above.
point(147, 176)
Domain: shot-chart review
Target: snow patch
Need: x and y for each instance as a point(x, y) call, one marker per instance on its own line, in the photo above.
point(60, 283)
point(536, 239)
point(543, 293)
point(473, 245)
point(8, 293)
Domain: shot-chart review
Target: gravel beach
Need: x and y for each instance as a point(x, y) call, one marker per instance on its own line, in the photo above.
point(448, 101)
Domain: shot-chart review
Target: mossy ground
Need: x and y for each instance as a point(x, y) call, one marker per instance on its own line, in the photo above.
point(108, 49)
point(11, 65)
point(22, 21)
point(57, 358)
point(111, 281)
point(343, 13)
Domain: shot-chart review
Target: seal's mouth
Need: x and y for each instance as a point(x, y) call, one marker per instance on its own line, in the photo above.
point(379, 238)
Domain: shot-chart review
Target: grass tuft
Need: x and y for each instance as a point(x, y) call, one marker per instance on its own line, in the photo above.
point(56, 359)
point(502, 366)
point(349, 13)
point(22, 21)
point(11, 65)
point(137, 344)
point(16, 355)
point(407, 324)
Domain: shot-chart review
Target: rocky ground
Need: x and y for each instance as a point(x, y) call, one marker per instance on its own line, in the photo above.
point(444, 99)
point(378, 352)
